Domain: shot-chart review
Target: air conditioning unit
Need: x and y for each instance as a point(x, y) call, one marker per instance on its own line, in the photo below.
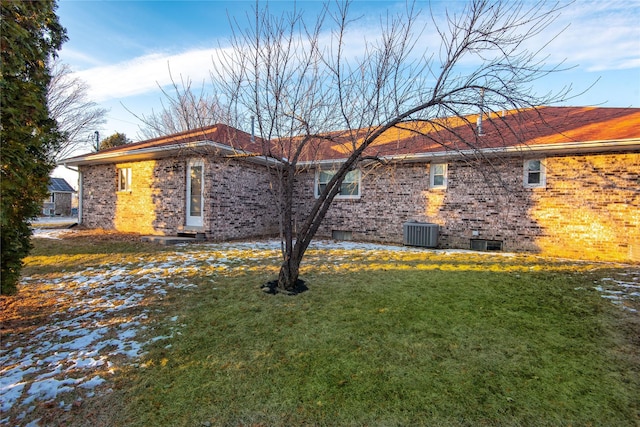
point(420, 234)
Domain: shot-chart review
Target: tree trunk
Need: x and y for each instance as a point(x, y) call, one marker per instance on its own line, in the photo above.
point(288, 276)
point(290, 268)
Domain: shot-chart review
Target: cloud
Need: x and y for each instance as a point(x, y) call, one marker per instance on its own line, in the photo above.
point(601, 36)
point(143, 74)
point(73, 56)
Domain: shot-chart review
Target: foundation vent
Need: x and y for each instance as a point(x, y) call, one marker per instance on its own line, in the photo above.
point(341, 235)
point(486, 245)
point(420, 234)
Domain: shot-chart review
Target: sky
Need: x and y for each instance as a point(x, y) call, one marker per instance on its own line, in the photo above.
point(123, 49)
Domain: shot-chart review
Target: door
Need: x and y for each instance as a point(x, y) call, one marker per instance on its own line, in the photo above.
point(195, 191)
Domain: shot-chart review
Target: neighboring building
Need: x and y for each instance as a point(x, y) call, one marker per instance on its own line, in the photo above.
point(563, 181)
point(59, 202)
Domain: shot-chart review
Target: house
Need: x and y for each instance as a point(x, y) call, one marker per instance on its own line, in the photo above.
point(562, 181)
point(59, 202)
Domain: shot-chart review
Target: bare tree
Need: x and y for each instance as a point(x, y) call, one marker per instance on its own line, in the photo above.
point(183, 108)
point(77, 117)
point(308, 88)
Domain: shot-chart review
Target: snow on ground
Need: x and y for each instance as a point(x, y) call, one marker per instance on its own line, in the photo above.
point(104, 311)
point(622, 289)
point(44, 233)
point(101, 314)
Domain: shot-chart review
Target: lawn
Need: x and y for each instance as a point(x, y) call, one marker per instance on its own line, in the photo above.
point(384, 336)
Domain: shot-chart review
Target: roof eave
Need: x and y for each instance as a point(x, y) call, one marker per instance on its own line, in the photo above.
point(524, 150)
point(154, 153)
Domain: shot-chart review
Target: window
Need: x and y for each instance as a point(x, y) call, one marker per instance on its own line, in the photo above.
point(438, 175)
point(350, 188)
point(124, 179)
point(534, 173)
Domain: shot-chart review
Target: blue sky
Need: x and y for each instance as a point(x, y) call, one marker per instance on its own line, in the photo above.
point(122, 48)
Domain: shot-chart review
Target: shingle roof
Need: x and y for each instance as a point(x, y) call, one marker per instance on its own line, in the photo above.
point(59, 185)
point(219, 133)
point(527, 128)
point(523, 128)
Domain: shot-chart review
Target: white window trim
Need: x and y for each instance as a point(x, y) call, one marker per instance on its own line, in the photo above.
point(338, 196)
point(543, 173)
point(432, 171)
point(127, 172)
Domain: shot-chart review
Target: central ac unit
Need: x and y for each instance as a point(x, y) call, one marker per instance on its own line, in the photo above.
point(420, 234)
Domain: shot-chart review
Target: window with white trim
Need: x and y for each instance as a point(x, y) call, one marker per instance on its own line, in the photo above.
point(438, 175)
point(124, 179)
point(350, 188)
point(535, 173)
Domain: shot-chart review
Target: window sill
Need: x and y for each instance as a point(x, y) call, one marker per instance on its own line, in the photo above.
point(344, 198)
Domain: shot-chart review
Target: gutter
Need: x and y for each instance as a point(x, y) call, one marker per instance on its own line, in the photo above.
point(165, 151)
point(149, 154)
point(524, 150)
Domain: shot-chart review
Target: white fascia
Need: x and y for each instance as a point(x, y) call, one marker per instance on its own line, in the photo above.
point(152, 153)
point(550, 149)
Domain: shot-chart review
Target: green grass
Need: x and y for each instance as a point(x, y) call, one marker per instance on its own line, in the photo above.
point(391, 348)
point(391, 339)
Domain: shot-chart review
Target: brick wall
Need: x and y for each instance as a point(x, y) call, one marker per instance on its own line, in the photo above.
point(589, 209)
point(98, 192)
point(237, 199)
point(594, 212)
point(240, 202)
point(389, 197)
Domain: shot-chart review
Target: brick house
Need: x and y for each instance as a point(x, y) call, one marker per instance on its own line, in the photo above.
point(563, 181)
point(60, 198)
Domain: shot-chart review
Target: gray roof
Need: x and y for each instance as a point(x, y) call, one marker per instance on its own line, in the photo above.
point(59, 185)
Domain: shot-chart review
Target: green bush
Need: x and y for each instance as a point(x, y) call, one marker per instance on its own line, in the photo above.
point(15, 246)
point(30, 36)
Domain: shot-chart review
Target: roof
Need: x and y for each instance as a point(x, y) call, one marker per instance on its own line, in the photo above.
point(219, 139)
point(59, 185)
point(224, 134)
point(543, 129)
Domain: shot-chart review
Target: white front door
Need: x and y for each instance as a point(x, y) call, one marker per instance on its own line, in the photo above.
point(195, 191)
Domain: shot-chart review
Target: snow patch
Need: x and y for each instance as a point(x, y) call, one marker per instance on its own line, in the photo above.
point(105, 313)
point(621, 292)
